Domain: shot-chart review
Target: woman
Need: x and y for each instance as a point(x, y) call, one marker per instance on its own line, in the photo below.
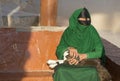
point(82, 41)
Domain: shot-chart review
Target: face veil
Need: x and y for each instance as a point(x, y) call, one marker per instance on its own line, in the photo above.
point(84, 17)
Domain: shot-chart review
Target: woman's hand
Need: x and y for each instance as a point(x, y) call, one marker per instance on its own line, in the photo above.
point(73, 61)
point(82, 56)
point(73, 52)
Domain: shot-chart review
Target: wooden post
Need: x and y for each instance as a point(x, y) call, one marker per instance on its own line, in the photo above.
point(48, 12)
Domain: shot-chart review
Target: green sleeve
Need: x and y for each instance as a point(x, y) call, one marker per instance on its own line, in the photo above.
point(61, 48)
point(98, 46)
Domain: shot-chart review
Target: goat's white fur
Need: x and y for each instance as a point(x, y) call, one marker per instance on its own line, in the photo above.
point(54, 63)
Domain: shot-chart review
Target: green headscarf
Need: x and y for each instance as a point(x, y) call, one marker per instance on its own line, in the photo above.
point(83, 38)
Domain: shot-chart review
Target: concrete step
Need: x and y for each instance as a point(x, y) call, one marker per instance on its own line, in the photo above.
point(32, 75)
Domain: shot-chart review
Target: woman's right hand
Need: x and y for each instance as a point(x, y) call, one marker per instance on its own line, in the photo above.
point(73, 52)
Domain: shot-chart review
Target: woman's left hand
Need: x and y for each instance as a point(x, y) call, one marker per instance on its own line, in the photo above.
point(73, 61)
point(82, 56)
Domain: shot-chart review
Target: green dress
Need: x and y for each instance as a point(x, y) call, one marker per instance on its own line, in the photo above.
point(86, 40)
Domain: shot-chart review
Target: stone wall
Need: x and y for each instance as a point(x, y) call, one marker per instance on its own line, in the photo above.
point(19, 12)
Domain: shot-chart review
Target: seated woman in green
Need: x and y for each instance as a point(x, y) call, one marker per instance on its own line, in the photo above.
point(82, 41)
